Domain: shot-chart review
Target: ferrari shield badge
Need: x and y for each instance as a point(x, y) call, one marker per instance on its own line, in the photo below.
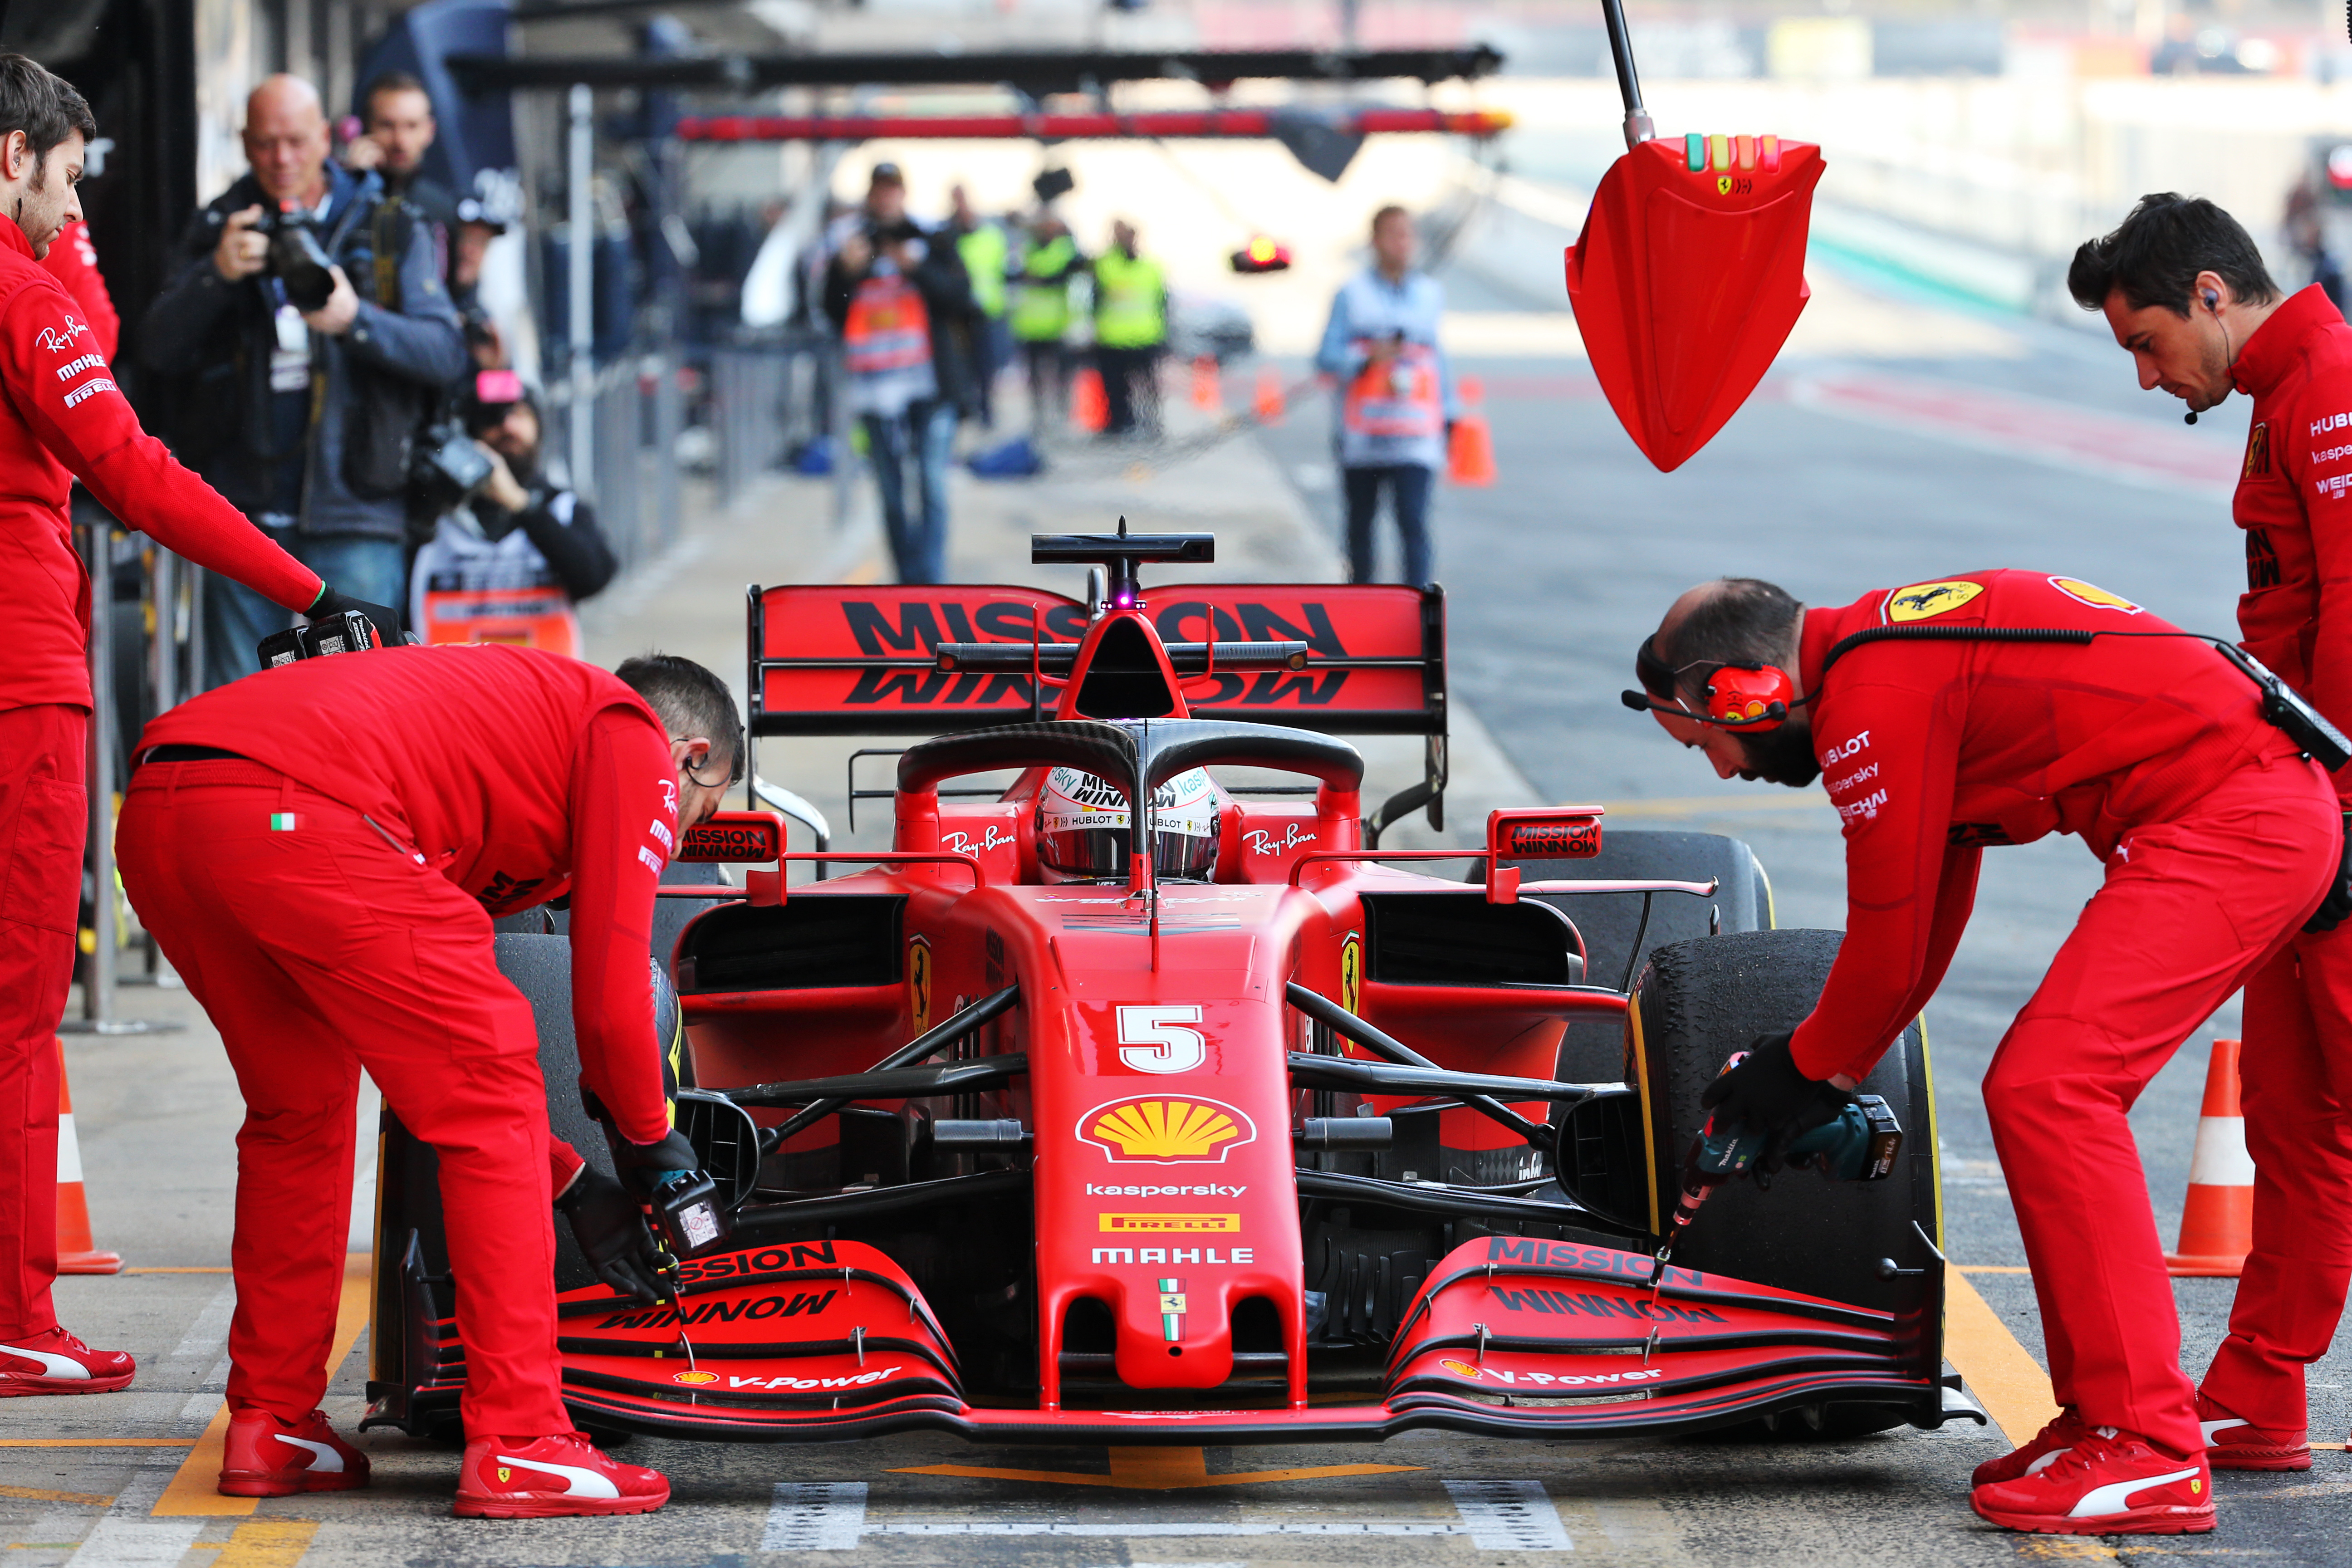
point(1687, 277)
point(1926, 601)
point(1351, 971)
point(919, 981)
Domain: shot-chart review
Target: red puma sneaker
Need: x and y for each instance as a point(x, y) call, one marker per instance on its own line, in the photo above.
point(552, 1477)
point(2234, 1445)
point(54, 1361)
point(2039, 1452)
point(268, 1458)
point(2107, 1483)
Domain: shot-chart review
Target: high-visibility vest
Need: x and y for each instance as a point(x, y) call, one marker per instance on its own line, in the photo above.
point(469, 589)
point(983, 251)
point(1398, 398)
point(1130, 301)
point(888, 328)
point(1041, 295)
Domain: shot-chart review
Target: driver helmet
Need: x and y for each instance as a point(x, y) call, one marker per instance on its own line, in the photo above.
point(1082, 833)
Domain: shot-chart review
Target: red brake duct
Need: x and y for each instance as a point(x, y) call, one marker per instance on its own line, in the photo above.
point(1690, 271)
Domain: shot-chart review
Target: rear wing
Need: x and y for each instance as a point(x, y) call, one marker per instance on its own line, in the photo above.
point(845, 660)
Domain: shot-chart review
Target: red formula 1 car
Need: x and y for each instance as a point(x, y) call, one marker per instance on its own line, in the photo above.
point(1222, 1125)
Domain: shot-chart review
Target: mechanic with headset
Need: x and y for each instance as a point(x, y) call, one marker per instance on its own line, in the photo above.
point(1973, 711)
point(2186, 291)
point(321, 849)
point(64, 418)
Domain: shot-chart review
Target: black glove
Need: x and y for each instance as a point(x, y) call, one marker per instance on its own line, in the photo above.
point(610, 1227)
point(642, 1167)
point(2336, 908)
point(385, 619)
point(1766, 1094)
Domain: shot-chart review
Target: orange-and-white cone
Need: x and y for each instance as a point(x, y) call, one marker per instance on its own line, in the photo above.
point(1090, 408)
point(77, 1249)
point(1208, 395)
point(2217, 1225)
point(1470, 456)
point(1269, 396)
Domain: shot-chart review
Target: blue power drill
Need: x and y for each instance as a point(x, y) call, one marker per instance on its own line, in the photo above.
point(1859, 1144)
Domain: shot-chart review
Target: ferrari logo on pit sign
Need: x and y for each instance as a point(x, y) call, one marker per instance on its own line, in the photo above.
point(2097, 598)
point(1924, 601)
point(1166, 1132)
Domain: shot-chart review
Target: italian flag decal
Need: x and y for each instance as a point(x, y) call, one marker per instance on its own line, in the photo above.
point(283, 822)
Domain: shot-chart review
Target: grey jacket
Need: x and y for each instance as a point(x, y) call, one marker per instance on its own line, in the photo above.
point(372, 386)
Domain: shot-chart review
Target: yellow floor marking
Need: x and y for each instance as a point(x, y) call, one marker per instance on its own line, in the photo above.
point(2010, 1385)
point(207, 1268)
point(96, 1442)
point(267, 1543)
point(1156, 1470)
point(40, 1494)
point(1994, 1268)
point(867, 571)
point(2075, 1546)
point(194, 1489)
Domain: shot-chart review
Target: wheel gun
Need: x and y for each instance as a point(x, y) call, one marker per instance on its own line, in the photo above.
point(1858, 1144)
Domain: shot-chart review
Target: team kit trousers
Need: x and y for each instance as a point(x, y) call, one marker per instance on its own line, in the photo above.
point(2191, 908)
point(318, 948)
point(2295, 1082)
point(44, 823)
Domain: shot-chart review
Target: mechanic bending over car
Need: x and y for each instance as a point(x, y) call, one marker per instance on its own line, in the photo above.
point(2220, 837)
point(63, 418)
point(321, 849)
point(2186, 291)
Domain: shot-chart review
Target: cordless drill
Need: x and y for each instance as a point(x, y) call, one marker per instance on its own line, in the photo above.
point(1858, 1144)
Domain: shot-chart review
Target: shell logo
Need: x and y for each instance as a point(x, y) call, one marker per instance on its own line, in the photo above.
point(2096, 597)
point(1166, 1132)
point(1459, 1368)
point(694, 1377)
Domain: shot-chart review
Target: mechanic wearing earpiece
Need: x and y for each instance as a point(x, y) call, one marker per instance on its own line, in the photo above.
point(63, 418)
point(2220, 839)
point(2185, 289)
point(321, 849)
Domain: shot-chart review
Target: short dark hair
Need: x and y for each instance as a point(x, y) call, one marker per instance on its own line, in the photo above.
point(687, 698)
point(2155, 253)
point(1386, 213)
point(42, 105)
point(392, 81)
point(1745, 621)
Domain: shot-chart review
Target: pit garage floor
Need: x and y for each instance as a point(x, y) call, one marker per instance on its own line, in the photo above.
point(1540, 587)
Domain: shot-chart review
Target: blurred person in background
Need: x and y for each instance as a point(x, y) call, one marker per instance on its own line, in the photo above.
point(510, 565)
point(396, 115)
point(304, 419)
point(1131, 332)
point(1397, 402)
point(985, 250)
point(73, 262)
point(2184, 288)
point(901, 301)
point(1048, 265)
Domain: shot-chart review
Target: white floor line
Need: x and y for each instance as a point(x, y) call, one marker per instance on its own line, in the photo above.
point(127, 1535)
point(1140, 1532)
point(209, 1333)
point(1509, 1516)
point(816, 1516)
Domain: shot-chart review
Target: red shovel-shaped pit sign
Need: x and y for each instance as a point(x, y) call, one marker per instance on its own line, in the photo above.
point(1687, 277)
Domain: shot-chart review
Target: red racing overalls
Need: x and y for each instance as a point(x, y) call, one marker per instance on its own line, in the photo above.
point(2295, 503)
point(2219, 839)
point(62, 417)
point(329, 902)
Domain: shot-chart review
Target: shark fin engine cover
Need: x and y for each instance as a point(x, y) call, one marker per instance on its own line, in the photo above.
point(1687, 279)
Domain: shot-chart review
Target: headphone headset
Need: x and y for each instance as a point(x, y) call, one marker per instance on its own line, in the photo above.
point(1748, 697)
point(2213, 308)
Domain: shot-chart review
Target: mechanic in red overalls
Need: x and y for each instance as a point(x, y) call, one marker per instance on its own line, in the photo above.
point(321, 849)
point(2185, 289)
point(2220, 839)
point(63, 418)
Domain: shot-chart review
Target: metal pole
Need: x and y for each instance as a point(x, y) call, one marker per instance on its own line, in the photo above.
point(1638, 128)
point(163, 590)
point(194, 576)
point(582, 283)
point(97, 979)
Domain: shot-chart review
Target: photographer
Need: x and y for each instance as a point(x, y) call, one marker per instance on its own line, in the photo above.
point(507, 564)
point(309, 368)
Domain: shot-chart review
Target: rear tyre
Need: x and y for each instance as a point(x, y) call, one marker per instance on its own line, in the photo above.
point(1694, 1004)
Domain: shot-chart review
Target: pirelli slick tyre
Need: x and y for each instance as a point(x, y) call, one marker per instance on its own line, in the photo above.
point(1616, 937)
point(1694, 1004)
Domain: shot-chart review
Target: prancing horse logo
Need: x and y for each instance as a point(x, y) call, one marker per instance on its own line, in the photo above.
point(1922, 601)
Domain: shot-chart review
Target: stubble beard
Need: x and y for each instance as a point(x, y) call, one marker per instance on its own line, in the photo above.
point(1783, 756)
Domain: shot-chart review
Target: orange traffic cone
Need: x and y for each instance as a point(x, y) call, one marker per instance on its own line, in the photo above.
point(1470, 456)
point(77, 1249)
point(1208, 396)
point(1269, 396)
point(2217, 1225)
point(1090, 409)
